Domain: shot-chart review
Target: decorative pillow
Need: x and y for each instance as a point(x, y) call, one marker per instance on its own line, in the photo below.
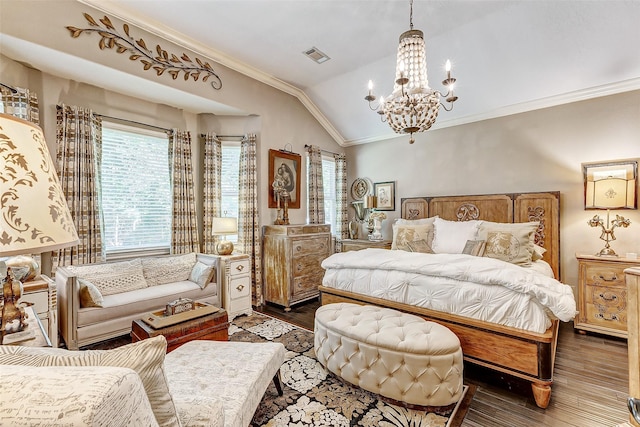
point(168, 269)
point(90, 296)
point(146, 357)
point(538, 252)
point(114, 277)
point(420, 246)
point(474, 247)
point(202, 274)
point(403, 234)
point(509, 242)
point(421, 221)
point(450, 237)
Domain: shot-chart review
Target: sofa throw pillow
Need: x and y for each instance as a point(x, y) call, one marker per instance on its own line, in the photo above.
point(202, 274)
point(420, 246)
point(146, 357)
point(90, 296)
point(113, 277)
point(450, 237)
point(168, 269)
point(403, 234)
point(509, 242)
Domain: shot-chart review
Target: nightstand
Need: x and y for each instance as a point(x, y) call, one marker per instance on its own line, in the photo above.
point(602, 294)
point(235, 284)
point(42, 294)
point(356, 245)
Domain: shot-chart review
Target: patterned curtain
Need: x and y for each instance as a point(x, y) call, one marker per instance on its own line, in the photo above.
point(342, 219)
point(315, 190)
point(79, 144)
point(23, 104)
point(249, 238)
point(184, 227)
point(212, 188)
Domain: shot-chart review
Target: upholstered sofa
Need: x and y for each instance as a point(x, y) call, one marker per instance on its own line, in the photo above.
point(202, 383)
point(99, 301)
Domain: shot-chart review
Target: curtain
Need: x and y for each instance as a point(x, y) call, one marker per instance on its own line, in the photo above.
point(212, 188)
point(79, 142)
point(315, 190)
point(342, 220)
point(249, 238)
point(22, 104)
point(184, 227)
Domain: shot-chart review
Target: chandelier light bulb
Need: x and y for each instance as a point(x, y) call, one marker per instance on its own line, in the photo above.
point(370, 86)
point(447, 66)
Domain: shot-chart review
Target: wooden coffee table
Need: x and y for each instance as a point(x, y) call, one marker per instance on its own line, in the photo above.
point(214, 326)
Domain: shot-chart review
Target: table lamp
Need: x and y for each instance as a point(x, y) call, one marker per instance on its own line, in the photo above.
point(608, 193)
point(34, 216)
point(224, 226)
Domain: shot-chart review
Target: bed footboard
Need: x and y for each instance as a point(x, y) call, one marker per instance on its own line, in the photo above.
point(516, 352)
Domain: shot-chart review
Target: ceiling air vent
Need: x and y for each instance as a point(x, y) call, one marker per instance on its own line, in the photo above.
point(315, 54)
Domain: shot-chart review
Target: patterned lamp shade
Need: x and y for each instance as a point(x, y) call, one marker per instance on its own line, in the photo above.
point(34, 216)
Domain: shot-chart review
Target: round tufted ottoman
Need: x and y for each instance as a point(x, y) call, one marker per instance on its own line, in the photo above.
point(399, 356)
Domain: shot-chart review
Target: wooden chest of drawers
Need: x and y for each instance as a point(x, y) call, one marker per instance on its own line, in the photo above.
point(602, 294)
point(291, 261)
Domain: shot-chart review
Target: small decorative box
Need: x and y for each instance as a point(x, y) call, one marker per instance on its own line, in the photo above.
point(179, 306)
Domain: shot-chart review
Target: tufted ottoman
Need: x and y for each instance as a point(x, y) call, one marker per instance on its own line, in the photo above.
point(399, 356)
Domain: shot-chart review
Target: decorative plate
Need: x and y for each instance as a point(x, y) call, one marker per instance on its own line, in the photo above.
point(360, 188)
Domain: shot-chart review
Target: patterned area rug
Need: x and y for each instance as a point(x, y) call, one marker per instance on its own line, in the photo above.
point(316, 397)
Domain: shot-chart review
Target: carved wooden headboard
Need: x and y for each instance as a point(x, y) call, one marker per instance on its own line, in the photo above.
point(513, 207)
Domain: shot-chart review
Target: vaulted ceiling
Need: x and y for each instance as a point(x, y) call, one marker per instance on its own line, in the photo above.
point(509, 56)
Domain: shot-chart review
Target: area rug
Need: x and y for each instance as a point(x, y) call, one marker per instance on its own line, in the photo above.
point(316, 397)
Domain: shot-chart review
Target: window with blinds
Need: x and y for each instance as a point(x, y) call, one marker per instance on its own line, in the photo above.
point(135, 190)
point(230, 175)
point(329, 191)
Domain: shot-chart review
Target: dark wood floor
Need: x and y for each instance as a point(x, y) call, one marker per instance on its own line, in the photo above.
point(590, 382)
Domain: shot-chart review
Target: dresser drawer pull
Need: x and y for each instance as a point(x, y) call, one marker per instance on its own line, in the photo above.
point(612, 279)
point(239, 288)
point(613, 317)
point(240, 267)
point(611, 297)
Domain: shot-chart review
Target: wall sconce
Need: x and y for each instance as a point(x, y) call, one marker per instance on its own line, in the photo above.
point(610, 186)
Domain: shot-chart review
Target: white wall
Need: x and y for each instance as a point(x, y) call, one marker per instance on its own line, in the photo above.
point(535, 151)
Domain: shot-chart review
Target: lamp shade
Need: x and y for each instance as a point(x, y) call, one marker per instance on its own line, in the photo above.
point(610, 193)
point(221, 226)
point(34, 216)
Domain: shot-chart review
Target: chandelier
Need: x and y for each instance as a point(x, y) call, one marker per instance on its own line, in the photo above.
point(412, 106)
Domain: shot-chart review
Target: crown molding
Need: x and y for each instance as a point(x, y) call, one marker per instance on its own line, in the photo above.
point(173, 36)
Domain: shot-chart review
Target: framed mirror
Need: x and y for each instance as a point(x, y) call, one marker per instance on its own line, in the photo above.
point(611, 185)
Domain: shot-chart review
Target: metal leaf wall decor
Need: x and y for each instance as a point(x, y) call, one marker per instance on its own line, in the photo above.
point(161, 61)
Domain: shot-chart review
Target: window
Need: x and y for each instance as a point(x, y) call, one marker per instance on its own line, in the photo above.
point(135, 193)
point(329, 191)
point(229, 182)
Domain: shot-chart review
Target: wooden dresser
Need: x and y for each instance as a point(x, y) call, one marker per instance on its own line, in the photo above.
point(291, 261)
point(357, 244)
point(602, 294)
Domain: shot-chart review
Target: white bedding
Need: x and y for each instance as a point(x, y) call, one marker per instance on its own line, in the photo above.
point(478, 287)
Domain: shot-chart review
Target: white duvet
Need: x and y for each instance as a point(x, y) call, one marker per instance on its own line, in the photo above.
point(481, 288)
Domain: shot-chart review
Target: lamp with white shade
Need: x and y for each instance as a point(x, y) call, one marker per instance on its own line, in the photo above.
point(34, 216)
point(224, 226)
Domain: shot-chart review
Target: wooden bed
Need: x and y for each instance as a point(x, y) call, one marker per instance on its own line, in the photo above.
point(513, 351)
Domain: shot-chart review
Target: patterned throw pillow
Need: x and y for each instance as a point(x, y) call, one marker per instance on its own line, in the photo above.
point(405, 234)
point(509, 242)
point(420, 246)
point(114, 277)
point(168, 269)
point(202, 274)
point(146, 357)
point(90, 296)
point(474, 247)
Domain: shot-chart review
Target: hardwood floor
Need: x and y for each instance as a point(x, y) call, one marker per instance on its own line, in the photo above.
point(590, 382)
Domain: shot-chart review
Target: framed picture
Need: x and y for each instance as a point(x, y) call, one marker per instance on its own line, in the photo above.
point(610, 185)
point(285, 167)
point(386, 194)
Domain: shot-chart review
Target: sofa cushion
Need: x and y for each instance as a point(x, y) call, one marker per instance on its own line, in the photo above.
point(86, 395)
point(202, 274)
point(168, 269)
point(142, 301)
point(146, 357)
point(114, 277)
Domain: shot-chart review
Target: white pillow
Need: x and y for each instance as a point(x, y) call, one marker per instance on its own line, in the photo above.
point(202, 274)
point(450, 237)
point(421, 221)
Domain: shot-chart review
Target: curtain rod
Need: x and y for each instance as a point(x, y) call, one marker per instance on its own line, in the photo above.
point(225, 136)
point(133, 121)
point(321, 150)
point(11, 88)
